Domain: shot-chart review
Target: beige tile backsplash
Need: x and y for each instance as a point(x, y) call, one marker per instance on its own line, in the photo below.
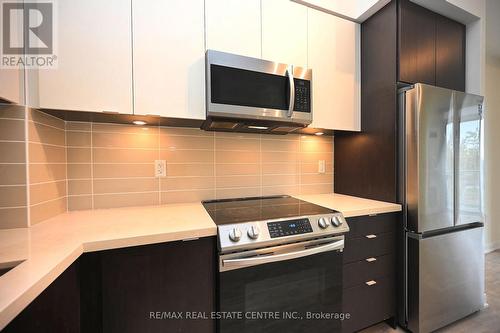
point(47, 166)
point(13, 192)
point(83, 165)
point(112, 165)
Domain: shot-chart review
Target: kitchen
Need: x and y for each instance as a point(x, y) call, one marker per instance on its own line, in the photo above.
point(221, 166)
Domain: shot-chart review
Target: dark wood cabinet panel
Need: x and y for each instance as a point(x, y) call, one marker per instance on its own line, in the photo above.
point(56, 309)
point(361, 226)
point(364, 247)
point(116, 291)
point(450, 54)
point(170, 277)
point(365, 163)
point(417, 44)
point(369, 291)
point(362, 271)
point(368, 304)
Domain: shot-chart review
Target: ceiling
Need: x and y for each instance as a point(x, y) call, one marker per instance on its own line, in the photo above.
point(359, 10)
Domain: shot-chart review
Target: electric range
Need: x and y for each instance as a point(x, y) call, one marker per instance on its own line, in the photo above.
point(278, 255)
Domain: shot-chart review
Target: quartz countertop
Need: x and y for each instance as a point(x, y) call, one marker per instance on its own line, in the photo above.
point(42, 252)
point(351, 206)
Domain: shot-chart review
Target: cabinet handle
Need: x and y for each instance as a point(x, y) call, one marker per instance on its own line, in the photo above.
point(371, 259)
point(371, 236)
point(371, 283)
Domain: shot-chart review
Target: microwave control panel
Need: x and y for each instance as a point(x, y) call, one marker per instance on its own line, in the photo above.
point(302, 95)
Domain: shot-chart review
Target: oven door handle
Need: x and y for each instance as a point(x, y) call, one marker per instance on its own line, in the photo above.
point(252, 261)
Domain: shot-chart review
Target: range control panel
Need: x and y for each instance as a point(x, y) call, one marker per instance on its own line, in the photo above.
point(289, 227)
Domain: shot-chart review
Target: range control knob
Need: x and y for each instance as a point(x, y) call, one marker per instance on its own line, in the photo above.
point(323, 223)
point(235, 234)
point(253, 232)
point(335, 221)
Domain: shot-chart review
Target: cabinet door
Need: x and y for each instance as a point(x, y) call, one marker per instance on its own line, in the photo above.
point(12, 85)
point(169, 52)
point(417, 47)
point(333, 55)
point(171, 277)
point(284, 32)
point(450, 54)
point(233, 26)
point(56, 309)
point(12, 79)
point(94, 70)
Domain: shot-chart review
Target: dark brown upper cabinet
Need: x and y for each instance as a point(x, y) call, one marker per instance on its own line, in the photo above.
point(431, 48)
point(450, 54)
point(402, 42)
point(417, 44)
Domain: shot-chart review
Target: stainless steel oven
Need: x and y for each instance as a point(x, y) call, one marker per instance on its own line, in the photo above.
point(255, 94)
point(287, 288)
point(280, 265)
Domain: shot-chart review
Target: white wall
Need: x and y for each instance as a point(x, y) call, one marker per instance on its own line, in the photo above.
point(492, 125)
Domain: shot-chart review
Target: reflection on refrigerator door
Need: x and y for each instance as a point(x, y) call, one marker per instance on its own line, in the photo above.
point(469, 159)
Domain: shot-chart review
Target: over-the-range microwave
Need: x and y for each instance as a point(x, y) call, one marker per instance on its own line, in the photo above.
point(253, 95)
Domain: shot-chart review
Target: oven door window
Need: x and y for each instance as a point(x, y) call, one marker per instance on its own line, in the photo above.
point(291, 288)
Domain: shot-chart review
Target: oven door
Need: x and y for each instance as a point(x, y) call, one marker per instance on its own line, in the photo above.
point(291, 288)
point(250, 88)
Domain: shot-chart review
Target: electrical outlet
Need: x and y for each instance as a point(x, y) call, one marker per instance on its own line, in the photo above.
point(160, 168)
point(321, 166)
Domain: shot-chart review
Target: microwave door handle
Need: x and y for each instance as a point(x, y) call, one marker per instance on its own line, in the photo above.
point(252, 261)
point(291, 103)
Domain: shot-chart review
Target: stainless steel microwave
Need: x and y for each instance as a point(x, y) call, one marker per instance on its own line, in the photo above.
point(254, 95)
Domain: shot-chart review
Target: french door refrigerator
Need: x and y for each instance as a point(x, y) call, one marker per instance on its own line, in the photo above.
point(441, 142)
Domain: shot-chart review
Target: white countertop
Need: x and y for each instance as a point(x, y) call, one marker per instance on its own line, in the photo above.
point(351, 206)
point(48, 248)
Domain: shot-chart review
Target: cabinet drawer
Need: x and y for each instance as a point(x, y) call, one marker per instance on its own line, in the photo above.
point(368, 304)
point(368, 269)
point(371, 245)
point(364, 225)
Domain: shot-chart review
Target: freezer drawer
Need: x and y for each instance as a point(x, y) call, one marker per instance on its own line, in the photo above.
point(445, 278)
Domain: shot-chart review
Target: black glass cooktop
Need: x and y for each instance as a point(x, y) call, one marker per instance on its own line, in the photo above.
point(228, 211)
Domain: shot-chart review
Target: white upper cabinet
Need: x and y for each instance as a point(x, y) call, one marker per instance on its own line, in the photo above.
point(169, 53)
point(233, 26)
point(94, 55)
point(284, 32)
point(334, 56)
point(12, 79)
point(12, 85)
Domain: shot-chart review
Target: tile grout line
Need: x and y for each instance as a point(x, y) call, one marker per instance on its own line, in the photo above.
point(215, 165)
point(300, 165)
point(166, 166)
point(260, 164)
point(92, 164)
point(27, 157)
point(66, 165)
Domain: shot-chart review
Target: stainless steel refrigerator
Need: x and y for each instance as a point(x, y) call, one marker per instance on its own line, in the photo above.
point(442, 192)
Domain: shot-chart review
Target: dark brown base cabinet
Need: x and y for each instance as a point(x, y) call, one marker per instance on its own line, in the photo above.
point(369, 270)
point(128, 290)
point(56, 309)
